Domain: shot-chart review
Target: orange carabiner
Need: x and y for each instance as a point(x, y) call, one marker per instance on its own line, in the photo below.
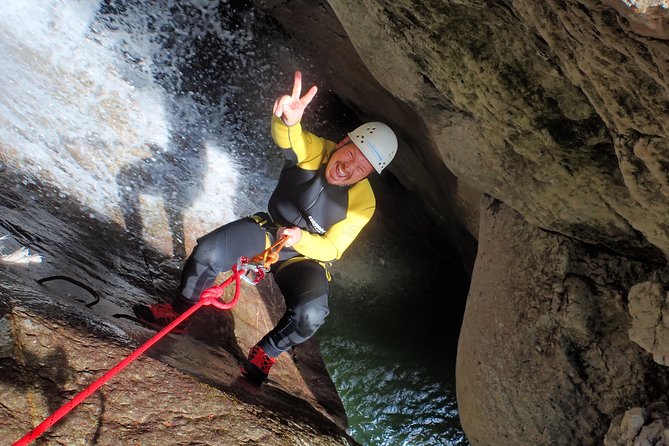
point(271, 255)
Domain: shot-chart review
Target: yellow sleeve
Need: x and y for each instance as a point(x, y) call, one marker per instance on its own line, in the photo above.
point(308, 148)
point(331, 245)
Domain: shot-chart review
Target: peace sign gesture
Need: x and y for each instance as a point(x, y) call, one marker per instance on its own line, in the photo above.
point(291, 108)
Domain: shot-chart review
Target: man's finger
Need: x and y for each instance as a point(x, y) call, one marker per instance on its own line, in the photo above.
point(280, 104)
point(309, 96)
point(297, 85)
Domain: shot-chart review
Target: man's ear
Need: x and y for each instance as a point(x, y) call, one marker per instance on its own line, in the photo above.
point(343, 142)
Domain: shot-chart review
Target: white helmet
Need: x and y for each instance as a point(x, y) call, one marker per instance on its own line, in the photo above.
point(377, 142)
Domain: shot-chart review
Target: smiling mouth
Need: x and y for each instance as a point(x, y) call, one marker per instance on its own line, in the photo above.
point(340, 172)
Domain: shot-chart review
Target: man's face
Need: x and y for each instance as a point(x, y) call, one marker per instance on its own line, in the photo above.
point(347, 165)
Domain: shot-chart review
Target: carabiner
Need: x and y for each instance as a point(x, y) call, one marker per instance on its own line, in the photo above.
point(257, 270)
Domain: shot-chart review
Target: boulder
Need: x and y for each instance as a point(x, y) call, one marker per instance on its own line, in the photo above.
point(650, 324)
point(640, 426)
point(544, 356)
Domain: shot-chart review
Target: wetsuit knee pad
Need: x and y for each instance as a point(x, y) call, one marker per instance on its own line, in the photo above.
point(218, 251)
point(304, 285)
point(310, 316)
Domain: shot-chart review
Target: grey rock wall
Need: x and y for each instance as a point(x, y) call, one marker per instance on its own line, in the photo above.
point(560, 110)
point(544, 355)
point(557, 108)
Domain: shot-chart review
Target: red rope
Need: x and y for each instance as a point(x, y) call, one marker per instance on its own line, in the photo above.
point(205, 299)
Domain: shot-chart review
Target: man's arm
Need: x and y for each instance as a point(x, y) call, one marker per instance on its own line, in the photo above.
point(308, 148)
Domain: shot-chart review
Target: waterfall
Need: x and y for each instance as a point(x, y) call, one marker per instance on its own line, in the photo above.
point(103, 101)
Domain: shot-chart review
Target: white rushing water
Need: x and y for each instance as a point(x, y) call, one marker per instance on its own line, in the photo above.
point(81, 109)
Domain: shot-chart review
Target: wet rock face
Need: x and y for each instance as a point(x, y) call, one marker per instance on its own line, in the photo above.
point(544, 355)
point(55, 340)
point(44, 363)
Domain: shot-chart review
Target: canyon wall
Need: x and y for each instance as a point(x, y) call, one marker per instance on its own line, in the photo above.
point(558, 111)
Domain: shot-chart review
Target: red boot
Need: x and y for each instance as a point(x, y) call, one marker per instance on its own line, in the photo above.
point(159, 316)
point(257, 366)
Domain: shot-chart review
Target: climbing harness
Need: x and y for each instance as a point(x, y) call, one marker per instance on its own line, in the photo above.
point(250, 270)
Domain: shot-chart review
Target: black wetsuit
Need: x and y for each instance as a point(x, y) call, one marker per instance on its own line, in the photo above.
point(330, 217)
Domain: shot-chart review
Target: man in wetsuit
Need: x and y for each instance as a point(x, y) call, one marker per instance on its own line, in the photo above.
point(321, 203)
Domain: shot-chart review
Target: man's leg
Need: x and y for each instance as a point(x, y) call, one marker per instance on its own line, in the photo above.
point(304, 285)
point(214, 253)
point(217, 252)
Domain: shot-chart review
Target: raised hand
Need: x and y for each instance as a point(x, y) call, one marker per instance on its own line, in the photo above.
point(291, 108)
